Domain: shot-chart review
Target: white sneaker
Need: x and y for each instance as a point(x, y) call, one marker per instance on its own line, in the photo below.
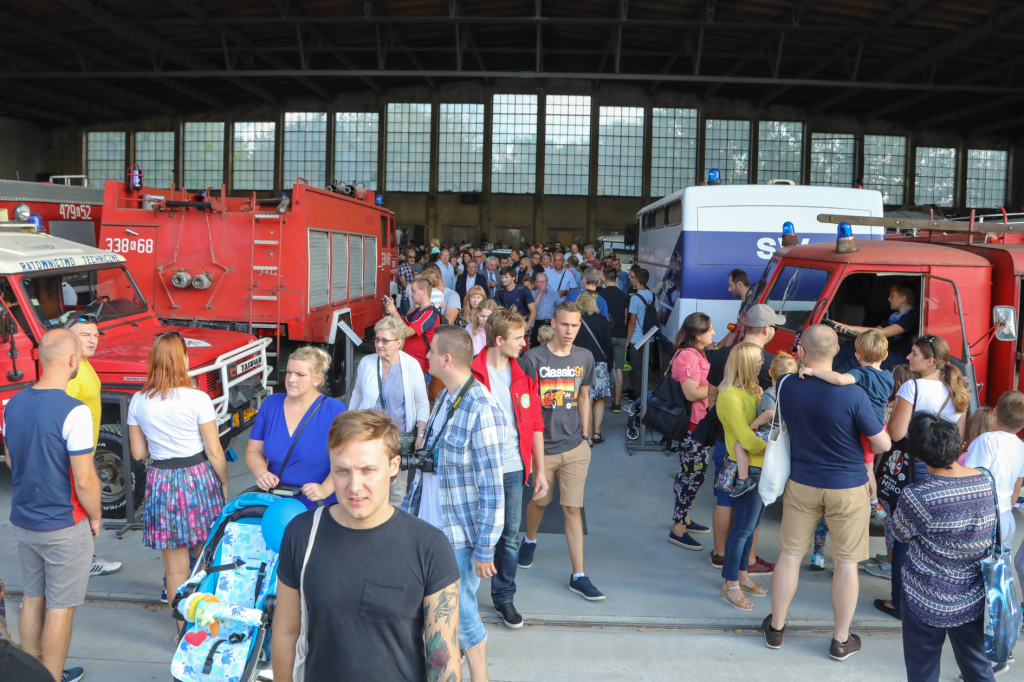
point(103, 567)
point(817, 562)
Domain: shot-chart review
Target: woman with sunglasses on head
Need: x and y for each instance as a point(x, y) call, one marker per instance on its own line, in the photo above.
point(941, 390)
point(399, 377)
point(175, 425)
point(288, 442)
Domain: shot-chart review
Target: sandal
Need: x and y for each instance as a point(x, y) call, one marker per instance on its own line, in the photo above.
point(743, 604)
point(598, 439)
point(754, 590)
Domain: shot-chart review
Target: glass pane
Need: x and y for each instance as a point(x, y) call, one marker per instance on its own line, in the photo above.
point(567, 145)
point(620, 151)
point(832, 159)
point(105, 157)
point(885, 163)
point(673, 150)
point(408, 147)
point(253, 155)
point(986, 178)
point(154, 152)
point(779, 150)
point(305, 148)
point(935, 177)
point(727, 148)
point(514, 144)
point(461, 148)
point(204, 154)
point(795, 293)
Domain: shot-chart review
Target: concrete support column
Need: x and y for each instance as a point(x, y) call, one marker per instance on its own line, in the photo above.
point(590, 232)
point(539, 229)
point(433, 228)
point(485, 189)
point(647, 158)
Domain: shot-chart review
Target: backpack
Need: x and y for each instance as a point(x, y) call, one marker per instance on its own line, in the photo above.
point(650, 312)
point(504, 292)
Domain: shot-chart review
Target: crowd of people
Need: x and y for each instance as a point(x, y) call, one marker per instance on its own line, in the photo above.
point(495, 371)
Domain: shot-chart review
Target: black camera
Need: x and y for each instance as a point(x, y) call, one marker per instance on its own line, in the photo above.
point(419, 459)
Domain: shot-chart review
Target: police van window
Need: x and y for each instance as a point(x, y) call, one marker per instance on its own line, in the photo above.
point(795, 293)
point(659, 217)
point(675, 213)
point(106, 293)
point(647, 220)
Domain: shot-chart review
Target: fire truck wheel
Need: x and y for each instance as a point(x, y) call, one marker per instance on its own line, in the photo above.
point(111, 474)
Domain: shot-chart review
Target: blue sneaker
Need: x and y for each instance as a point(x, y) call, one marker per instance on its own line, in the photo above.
point(72, 675)
point(526, 550)
point(583, 587)
point(697, 529)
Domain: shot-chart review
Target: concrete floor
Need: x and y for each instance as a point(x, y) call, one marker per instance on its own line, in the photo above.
point(663, 618)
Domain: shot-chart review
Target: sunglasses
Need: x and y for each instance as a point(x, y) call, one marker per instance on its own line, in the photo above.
point(178, 334)
point(930, 338)
point(88, 319)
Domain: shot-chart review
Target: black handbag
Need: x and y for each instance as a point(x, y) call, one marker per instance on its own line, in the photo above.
point(897, 468)
point(668, 410)
point(704, 434)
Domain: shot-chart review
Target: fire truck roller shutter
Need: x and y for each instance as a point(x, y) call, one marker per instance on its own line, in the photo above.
point(355, 270)
point(339, 267)
point(369, 266)
point(319, 268)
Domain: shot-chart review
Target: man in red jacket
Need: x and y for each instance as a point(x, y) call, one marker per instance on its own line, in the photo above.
point(515, 389)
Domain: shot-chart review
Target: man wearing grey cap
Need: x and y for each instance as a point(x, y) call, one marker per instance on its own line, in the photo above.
point(760, 329)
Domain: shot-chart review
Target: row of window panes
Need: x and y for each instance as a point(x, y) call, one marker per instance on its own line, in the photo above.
point(567, 153)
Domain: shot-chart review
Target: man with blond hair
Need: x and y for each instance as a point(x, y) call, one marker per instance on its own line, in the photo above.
point(394, 616)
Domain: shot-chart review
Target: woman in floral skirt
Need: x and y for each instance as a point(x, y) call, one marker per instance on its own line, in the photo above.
point(175, 425)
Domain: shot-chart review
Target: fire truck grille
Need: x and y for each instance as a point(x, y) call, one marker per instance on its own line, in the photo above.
point(210, 384)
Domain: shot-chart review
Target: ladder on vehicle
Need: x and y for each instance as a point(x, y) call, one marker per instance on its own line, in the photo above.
point(265, 282)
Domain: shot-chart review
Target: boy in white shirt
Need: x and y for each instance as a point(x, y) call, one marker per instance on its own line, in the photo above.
point(1002, 453)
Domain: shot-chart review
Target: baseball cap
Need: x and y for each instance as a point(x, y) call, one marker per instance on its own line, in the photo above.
point(762, 315)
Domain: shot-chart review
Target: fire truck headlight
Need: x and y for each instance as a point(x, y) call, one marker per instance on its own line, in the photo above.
point(22, 212)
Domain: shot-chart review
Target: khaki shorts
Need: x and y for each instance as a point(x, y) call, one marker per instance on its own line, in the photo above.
point(847, 512)
point(56, 564)
point(618, 352)
point(572, 468)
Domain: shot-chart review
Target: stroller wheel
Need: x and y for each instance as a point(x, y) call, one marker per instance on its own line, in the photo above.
point(632, 433)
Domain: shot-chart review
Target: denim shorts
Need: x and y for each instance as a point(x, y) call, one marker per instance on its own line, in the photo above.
point(719, 455)
point(471, 628)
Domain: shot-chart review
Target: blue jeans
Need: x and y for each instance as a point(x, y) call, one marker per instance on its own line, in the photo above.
point(471, 628)
point(747, 513)
point(922, 649)
point(506, 552)
point(718, 456)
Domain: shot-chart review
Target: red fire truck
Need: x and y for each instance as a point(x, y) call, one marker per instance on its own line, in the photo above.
point(44, 280)
point(64, 210)
point(968, 276)
point(289, 268)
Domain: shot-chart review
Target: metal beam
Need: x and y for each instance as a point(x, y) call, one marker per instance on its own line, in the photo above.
point(23, 88)
point(620, 77)
point(199, 12)
point(766, 43)
point(998, 125)
point(958, 43)
point(154, 43)
point(964, 112)
point(7, 106)
point(18, 24)
point(883, 25)
point(974, 77)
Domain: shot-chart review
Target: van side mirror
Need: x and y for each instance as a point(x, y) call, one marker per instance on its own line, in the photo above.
point(1004, 317)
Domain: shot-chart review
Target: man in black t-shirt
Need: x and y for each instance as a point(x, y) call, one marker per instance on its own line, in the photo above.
point(381, 586)
point(618, 303)
point(516, 297)
point(761, 321)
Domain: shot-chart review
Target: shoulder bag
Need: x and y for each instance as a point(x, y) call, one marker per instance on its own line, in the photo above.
point(296, 489)
point(668, 410)
point(302, 644)
point(777, 465)
point(1002, 610)
point(896, 469)
point(596, 342)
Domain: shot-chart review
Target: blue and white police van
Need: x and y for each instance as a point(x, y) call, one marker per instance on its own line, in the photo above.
point(689, 241)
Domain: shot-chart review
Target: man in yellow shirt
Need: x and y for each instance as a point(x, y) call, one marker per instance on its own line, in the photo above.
point(86, 387)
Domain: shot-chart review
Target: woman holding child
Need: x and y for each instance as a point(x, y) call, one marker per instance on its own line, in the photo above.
point(738, 400)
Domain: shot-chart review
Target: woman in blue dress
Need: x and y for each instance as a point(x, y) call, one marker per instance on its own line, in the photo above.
point(304, 415)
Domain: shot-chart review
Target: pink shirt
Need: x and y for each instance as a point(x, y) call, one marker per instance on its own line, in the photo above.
point(690, 364)
point(480, 340)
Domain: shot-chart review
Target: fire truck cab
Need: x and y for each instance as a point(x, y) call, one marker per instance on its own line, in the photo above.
point(970, 294)
point(45, 280)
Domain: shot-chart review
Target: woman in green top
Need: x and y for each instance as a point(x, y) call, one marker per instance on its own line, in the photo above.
point(737, 407)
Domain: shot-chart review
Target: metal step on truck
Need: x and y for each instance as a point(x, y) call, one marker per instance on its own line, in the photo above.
point(968, 277)
point(45, 280)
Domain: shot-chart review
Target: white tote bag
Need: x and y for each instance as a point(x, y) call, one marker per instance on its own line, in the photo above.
point(776, 467)
point(302, 645)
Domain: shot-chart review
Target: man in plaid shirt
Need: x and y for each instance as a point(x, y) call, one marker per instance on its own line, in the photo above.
point(405, 277)
point(465, 497)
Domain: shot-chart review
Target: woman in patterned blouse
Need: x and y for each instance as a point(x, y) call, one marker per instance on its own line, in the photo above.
point(948, 520)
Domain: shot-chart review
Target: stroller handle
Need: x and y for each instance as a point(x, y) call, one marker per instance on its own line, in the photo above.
point(281, 490)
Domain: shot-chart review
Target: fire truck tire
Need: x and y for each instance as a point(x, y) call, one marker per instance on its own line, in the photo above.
point(335, 381)
point(109, 469)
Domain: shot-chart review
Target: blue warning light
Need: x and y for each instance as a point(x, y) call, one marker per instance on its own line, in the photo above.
point(845, 230)
point(787, 228)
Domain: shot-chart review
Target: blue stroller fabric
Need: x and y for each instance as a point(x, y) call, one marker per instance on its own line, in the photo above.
point(235, 583)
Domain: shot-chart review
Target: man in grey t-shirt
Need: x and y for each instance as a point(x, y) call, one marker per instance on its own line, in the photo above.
point(564, 376)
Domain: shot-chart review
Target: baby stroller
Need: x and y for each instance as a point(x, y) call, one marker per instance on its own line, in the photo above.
point(227, 603)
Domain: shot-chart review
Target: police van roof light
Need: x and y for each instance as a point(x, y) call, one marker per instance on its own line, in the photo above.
point(845, 230)
point(787, 228)
point(714, 175)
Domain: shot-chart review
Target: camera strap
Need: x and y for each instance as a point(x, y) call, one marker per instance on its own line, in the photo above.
point(468, 384)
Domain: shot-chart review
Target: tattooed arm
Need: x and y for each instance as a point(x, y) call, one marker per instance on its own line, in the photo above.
point(441, 635)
